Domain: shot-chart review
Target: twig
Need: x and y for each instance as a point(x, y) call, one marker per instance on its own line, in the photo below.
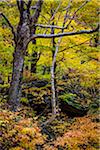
point(76, 12)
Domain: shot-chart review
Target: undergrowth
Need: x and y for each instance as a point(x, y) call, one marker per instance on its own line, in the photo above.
point(21, 130)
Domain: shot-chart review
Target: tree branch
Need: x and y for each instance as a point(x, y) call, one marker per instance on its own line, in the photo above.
point(48, 26)
point(55, 11)
point(58, 27)
point(29, 3)
point(64, 34)
point(10, 25)
point(18, 5)
point(76, 12)
point(34, 18)
point(66, 15)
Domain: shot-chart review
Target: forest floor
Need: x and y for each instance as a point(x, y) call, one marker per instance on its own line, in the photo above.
point(24, 130)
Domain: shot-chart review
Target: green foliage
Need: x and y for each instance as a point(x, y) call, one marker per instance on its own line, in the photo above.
point(94, 107)
point(24, 100)
point(68, 97)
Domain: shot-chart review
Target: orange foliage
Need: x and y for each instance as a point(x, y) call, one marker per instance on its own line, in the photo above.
point(19, 132)
point(83, 134)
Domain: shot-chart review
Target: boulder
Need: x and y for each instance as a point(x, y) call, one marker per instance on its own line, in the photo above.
point(73, 109)
point(36, 83)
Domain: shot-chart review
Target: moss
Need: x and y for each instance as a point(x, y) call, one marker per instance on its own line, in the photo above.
point(70, 99)
point(24, 100)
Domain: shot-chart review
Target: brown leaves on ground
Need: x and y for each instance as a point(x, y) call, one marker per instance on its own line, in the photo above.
point(20, 131)
point(83, 134)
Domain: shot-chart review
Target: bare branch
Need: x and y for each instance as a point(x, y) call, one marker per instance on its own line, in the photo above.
point(10, 25)
point(67, 10)
point(55, 11)
point(48, 26)
point(33, 7)
point(37, 12)
point(58, 27)
point(76, 12)
point(20, 4)
point(53, 15)
point(34, 18)
point(29, 3)
point(64, 34)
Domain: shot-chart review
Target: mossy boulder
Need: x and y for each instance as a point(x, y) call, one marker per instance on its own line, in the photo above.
point(70, 106)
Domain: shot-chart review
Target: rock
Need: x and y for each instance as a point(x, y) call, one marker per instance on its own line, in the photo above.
point(36, 83)
point(39, 83)
point(73, 109)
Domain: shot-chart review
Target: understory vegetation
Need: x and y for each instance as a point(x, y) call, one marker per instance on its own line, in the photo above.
point(49, 80)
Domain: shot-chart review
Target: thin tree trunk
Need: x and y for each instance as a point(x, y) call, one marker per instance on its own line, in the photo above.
point(34, 60)
point(53, 79)
point(53, 69)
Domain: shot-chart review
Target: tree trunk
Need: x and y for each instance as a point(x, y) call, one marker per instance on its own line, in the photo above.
point(53, 69)
point(54, 100)
point(23, 35)
point(15, 88)
point(22, 38)
point(34, 60)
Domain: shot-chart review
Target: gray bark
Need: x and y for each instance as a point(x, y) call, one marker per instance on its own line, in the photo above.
point(64, 34)
point(53, 68)
point(53, 78)
point(23, 34)
point(24, 31)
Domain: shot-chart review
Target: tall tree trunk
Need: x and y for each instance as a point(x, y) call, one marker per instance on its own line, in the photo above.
point(15, 88)
point(34, 62)
point(23, 35)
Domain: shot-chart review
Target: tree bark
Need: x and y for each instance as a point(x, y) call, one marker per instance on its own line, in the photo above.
point(23, 35)
point(53, 78)
point(15, 88)
point(24, 32)
point(53, 69)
